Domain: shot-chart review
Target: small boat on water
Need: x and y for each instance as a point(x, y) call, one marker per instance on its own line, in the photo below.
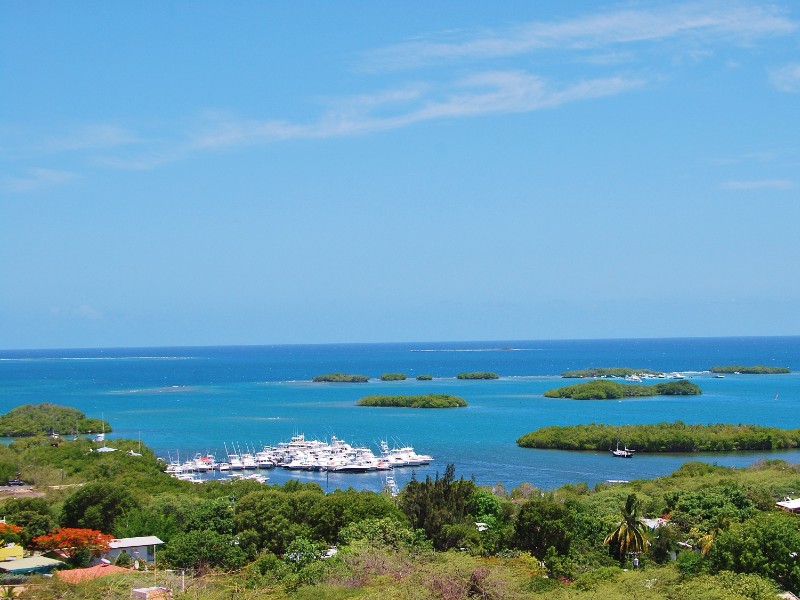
point(403, 457)
point(622, 453)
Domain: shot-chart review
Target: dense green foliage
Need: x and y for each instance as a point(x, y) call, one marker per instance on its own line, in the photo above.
point(439, 507)
point(46, 418)
point(478, 375)
point(340, 378)
point(766, 545)
point(677, 388)
point(426, 401)
point(203, 550)
point(393, 377)
point(608, 372)
point(96, 506)
point(663, 437)
point(543, 523)
point(424, 377)
point(755, 370)
point(245, 540)
point(611, 390)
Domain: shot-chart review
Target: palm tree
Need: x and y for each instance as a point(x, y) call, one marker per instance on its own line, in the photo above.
point(630, 535)
point(706, 542)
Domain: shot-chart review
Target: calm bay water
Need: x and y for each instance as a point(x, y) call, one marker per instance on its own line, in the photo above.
point(180, 401)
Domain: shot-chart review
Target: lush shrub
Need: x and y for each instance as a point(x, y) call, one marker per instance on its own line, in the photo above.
point(203, 550)
point(766, 545)
point(434, 503)
point(690, 563)
point(97, 506)
point(544, 523)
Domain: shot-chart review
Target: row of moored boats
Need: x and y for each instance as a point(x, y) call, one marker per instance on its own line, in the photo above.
point(299, 454)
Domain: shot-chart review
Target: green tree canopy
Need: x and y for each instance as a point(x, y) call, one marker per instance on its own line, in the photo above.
point(435, 503)
point(203, 549)
point(45, 418)
point(542, 523)
point(767, 545)
point(97, 506)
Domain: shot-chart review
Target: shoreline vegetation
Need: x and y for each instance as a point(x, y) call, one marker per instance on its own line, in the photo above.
point(340, 378)
point(754, 370)
point(478, 375)
point(31, 420)
point(424, 401)
point(611, 390)
point(663, 437)
point(703, 531)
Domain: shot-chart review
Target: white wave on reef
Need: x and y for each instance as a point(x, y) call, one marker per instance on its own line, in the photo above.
point(54, 358)
point(473, 349)
point(173, 389)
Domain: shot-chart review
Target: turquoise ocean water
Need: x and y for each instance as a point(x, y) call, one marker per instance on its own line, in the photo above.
point(180, 401)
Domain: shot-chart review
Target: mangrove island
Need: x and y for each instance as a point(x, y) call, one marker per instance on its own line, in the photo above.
point(755, 370)
point(426, 401)
point(663, 437)
point(479, 375)
point(340, 378)
point(608, 372)
point(611, 390)
point(393, 377)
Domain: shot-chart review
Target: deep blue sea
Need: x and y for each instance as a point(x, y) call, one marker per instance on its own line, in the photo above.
point(180, 401)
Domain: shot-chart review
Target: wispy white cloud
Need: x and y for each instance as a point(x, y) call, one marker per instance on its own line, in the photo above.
point(786, 78)
point(760, 184)
point(89, 137)
point(35, 179)
point(705, 23)
point(605, 41)
point(492, 92)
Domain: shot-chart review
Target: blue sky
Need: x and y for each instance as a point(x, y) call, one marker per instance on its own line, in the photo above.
point(299, 172)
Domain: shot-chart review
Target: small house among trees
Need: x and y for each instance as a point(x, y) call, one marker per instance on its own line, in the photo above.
point(138, 548)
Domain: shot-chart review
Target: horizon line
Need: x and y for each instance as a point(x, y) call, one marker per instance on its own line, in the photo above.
point(464, 341)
